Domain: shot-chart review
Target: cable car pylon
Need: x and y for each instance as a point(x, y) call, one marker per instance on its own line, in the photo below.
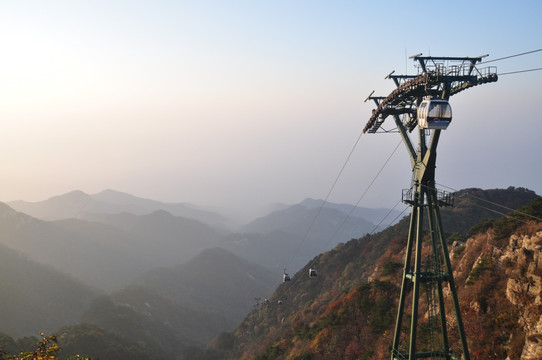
point(422, 101)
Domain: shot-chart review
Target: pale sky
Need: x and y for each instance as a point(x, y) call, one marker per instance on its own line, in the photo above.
point(239, 104)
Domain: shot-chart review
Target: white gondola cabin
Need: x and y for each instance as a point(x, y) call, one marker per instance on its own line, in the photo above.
point(434, 114)
point(313, 272)
point(285, 277)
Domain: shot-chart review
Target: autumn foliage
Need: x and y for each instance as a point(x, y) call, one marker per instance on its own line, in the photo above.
point(349, 311)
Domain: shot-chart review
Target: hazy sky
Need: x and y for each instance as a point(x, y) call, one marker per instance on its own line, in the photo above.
point(245, 103)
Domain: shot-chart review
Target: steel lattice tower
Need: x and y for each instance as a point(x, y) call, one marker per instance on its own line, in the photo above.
point(438, 78)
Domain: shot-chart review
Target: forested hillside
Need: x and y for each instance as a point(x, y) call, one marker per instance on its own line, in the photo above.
point(348, 311)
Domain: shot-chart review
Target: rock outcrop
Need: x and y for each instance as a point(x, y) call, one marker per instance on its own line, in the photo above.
point(522, 260)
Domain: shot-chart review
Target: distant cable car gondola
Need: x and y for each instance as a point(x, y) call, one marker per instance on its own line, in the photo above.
point(313, 272)
point(285, 276)
point(434, 114)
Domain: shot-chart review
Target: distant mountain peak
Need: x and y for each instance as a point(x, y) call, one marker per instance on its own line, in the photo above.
point(78, 204)
point(8, 212)
point(161, 214)
point(312, 203)
point(111, 192)
point(117, 196)
point(215, 251)
point(74, 194)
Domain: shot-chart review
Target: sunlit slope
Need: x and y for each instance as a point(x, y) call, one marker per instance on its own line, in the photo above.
point(349, 309)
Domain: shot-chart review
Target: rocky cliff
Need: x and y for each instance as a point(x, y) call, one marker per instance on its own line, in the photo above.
point(524, 288)
point(500, 281)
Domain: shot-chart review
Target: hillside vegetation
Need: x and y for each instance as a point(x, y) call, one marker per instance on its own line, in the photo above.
point(348, 311)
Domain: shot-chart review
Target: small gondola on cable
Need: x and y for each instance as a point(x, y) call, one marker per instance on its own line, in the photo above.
point(434, 114)
point(313, 272)
point(285, 276)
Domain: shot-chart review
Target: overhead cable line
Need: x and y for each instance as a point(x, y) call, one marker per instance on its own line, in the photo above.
point(363, 195)
point(388, 214)
point(511, 56)
point(325, 200)
point(498, 212)
point(492, 210)
point(495, 204)
point(519, 71)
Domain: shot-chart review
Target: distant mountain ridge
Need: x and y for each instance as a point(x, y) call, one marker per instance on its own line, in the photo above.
point(375, 216)
point(110, 253)
point(97, 254)
point(297, 219)
point(77, 204)
point(291, 236)
point(269, 240)
point(168, 239)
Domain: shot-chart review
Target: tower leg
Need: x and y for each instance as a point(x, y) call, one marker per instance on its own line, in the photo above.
point(416, 279)
point(406, 271)
point(451, 282)
point(434, 276)
point(437, 239)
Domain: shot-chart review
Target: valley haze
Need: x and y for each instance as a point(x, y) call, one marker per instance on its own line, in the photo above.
point(113, 248)
point(110, 238)
point(178, 283)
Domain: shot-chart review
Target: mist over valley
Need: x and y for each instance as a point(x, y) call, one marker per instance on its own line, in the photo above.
point(134, 270)
point(99, 248)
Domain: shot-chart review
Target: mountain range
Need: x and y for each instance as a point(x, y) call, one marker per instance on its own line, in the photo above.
point(110, 242)
point(172, 283)
point(124, 227)
point(99, 254)
point(77, 204)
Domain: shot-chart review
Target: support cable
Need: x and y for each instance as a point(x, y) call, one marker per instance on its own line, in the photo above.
point(294, 254)
point(493, 203)
point(496, 212)
point(515, 55)
point(511, 56)
point(363, 195)
point(519, 71)
point(388, 214)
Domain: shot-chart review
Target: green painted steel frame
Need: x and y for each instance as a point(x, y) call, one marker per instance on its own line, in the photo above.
point(438, 81)
point(423, 166)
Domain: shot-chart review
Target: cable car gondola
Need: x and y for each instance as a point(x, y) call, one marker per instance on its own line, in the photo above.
point(313, 272)
point(285, 276)
point(434, 114)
